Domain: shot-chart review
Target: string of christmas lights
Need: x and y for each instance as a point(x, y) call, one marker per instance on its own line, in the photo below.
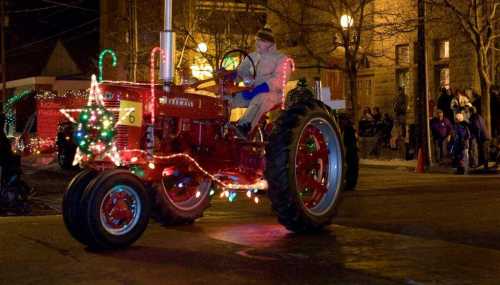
point(124, 82)
point(52, 95)
point(163, 59)
point(35, 145)
point(101, 59)
point(40, 95)
point(289, 63)
point(227, 188)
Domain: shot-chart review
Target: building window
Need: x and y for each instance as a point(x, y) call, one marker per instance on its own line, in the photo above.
point(365, 91)
point(402, 55)
point(335, 80)
point(403, 80)
point(444, 77)
point(442, 49)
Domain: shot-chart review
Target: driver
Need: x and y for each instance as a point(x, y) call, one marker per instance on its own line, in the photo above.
point(267, 90)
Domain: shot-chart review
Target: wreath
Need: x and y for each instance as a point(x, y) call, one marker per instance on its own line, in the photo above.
point(95, 132)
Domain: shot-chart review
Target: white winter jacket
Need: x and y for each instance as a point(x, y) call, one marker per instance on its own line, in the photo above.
point(272, 67)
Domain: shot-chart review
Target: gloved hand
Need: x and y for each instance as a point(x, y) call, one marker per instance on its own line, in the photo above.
point(250, 94)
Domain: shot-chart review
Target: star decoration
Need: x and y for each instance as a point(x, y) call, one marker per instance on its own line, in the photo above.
point(96, 127)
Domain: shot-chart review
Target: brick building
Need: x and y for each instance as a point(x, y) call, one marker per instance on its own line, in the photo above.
point(393, 59)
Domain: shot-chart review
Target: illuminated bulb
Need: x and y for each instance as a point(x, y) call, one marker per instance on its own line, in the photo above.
point(232, 197)
point(256, 200)
point(198, 194)
point(106, 124)
point(202, 47)
point(212, 192)
point(226, 193)
point(151, 165)
point(249, 194)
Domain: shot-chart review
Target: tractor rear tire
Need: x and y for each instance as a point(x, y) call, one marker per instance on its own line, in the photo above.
point(116, 210)
point(305, 148)
point(72, 213)
point(169, 211)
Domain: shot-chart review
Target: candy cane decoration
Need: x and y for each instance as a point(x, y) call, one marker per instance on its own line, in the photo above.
point(101, 59)
point(289, 63)
point(152, 77)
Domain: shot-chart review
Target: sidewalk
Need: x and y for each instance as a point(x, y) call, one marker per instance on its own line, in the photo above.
point(411, 165)
point(389, 163)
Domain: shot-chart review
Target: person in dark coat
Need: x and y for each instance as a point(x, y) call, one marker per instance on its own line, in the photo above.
point(388, 124)
point(480, 139)
point(444, 104)
point(5, 148)
point(6, 154)
point(367, 124)
point(441, 129)
point(377, 116)
point(460, 143)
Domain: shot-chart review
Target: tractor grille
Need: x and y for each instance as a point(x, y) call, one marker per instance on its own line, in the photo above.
point(121, 135)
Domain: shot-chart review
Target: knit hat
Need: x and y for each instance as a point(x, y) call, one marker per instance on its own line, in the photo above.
point(266, 34)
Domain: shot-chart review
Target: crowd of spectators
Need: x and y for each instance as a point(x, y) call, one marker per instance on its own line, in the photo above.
point(459, 132)
point(459, 135)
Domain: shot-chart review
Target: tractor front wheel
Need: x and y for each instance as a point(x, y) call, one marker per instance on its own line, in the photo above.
point(72, 213)
point(115, 210)
point(305, 167)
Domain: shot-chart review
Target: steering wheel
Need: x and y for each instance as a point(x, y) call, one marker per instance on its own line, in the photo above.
point(232, 60)
point(227, 67)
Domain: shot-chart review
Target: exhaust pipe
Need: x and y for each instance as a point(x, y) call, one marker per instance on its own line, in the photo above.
point(167, 43)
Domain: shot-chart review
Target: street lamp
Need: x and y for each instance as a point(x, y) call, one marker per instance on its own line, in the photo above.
point(202, 47)
point(346, 22)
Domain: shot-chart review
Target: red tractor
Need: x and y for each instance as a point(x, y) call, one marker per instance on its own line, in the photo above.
point(179, 147)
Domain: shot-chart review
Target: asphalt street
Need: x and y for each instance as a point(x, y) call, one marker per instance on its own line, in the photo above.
point(397, 228)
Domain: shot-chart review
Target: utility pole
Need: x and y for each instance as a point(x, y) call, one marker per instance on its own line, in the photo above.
point(132, 40)
point(421, 98)
point(4, 69)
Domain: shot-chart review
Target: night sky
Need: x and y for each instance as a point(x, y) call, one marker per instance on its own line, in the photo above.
point(36, 25)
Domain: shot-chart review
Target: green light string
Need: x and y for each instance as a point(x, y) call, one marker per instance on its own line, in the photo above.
point(101, 58)
point(8, 108)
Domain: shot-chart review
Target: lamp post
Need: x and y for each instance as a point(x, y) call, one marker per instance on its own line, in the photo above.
point(346, 23)
point(422, 108)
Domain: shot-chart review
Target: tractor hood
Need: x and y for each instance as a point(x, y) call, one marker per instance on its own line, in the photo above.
point(179, 102)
